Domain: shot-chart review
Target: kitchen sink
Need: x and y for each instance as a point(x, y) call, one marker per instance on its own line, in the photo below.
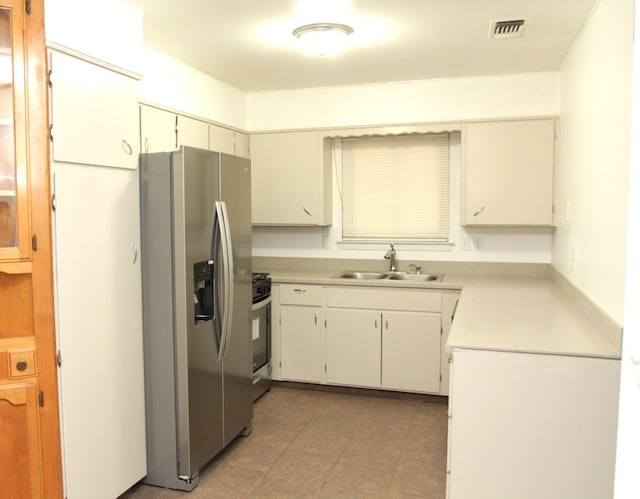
point(394, 276)
point(416, 277)
point(360, 275)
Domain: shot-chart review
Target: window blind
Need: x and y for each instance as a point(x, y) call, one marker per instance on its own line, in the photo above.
point(396, 187)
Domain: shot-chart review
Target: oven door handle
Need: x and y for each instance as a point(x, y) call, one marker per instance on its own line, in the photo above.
point(261, 304)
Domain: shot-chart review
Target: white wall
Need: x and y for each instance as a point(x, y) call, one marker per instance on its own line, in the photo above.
point(442, 100)
point(446, 99)
point(171, 83)
point(627, 484)
point(592, 167)
point(110, 31)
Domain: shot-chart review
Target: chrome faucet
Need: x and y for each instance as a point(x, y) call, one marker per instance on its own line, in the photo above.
point(391, 256)
point(417, 269)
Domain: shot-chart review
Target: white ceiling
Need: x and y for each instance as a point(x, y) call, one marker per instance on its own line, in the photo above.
point(248, 43)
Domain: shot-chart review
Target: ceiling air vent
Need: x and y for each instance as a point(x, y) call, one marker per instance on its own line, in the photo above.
point(506, 29)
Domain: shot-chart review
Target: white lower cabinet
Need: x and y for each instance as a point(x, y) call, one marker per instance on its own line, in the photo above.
point(369, 337)
point(411, 351)
point(353, 347)
point(389, 350)
point(302, 336)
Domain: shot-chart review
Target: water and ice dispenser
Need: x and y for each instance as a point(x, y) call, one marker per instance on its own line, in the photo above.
point(203, 291)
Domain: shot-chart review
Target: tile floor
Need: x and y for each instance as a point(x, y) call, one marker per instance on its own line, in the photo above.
point(319, 444)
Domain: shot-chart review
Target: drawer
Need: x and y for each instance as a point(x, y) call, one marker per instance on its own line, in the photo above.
point(21, 362)
point(416, 300)
point(302, 294)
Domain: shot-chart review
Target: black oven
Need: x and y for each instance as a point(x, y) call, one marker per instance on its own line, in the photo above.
point(261, 333)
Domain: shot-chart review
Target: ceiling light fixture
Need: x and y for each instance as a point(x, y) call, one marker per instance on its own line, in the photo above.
point(323, 38)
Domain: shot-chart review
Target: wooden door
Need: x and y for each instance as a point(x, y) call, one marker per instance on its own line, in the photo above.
point(20, 452)
point(29, 429)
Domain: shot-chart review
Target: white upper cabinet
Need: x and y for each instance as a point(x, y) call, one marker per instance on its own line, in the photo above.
point(157, 130)
point(194, 133)
point(242, 145)
point(291, 179)
point(221, 139)
point(94, 114)
point(507, 172)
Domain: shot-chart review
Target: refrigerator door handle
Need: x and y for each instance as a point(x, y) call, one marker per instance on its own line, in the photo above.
point(226, 273)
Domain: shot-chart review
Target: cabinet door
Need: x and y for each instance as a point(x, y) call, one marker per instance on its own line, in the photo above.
point(411, 351)
point(302, 343)
point(20, 448)
point(157, 130)
point(287, 179)
point(94, 114)
point(192, 133)
point(353, 347)
point(99, 315)
point(221, 139)
point(242, 147)
point(507, 173)
point(450, 300)
point(14, 179)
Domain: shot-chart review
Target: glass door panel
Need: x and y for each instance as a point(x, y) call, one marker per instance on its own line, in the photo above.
point(14, 220)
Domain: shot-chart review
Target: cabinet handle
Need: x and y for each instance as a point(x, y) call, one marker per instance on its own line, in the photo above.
point(21, 365)
point(126, 147)
point(478, 211)
point(315, 318)
point(307, 211)
point(134, 248)
point(386, 323)
point(375, 321)
point(300, 290)
point(146, 144)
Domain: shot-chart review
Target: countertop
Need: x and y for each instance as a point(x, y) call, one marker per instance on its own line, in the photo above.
point(498, 312)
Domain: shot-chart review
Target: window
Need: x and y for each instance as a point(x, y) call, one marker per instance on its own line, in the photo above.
point(396, 187)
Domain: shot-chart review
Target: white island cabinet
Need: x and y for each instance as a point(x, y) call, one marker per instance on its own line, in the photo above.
point(531, 425)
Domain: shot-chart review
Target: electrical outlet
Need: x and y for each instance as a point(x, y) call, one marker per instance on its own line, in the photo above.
point(476, 243)
point(464, 243)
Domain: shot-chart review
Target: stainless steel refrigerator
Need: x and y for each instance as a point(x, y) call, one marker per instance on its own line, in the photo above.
point(196, 287)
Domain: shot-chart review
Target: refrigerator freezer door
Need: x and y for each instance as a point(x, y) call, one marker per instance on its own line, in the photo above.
point(235, 182)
